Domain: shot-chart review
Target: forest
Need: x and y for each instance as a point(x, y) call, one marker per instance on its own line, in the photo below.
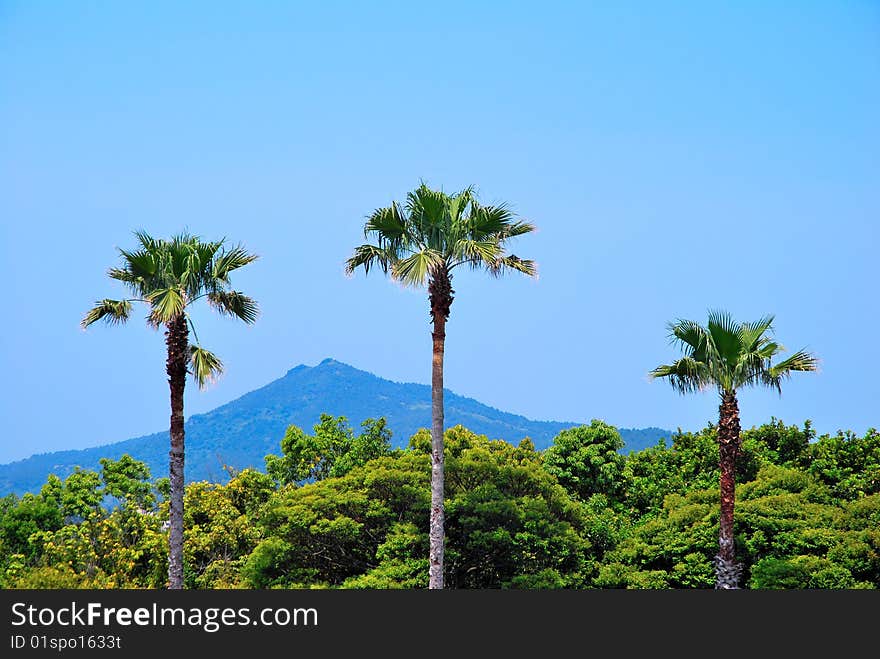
point(337, 507)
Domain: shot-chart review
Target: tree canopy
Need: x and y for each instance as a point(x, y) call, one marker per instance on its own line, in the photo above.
point(580, 514)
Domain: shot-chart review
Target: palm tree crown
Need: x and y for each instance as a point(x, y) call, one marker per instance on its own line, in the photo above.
point(434, 230)
point(169, 276)
point(729, 355)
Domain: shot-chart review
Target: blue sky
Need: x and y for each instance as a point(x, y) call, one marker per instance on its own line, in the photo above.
point(675, 157)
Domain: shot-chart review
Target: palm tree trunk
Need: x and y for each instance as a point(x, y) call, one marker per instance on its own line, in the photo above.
point(440, 295)
point(727, 570)
point(176, 340)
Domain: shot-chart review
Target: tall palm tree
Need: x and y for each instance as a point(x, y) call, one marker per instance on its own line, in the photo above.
point(422, 241)
point(169, 276)
point(728, 356)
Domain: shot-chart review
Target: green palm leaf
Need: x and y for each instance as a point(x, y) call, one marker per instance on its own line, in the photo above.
point(234, 303)
point(389, 223)
point(113, 312)
point(517, 229)
point(367, 256)
point(140, 263)
point(165, 305)
point(414, 269)
point(725, 336)
point(512, 262)
point(686, 374)
point(477, 252)
point(490, 221)
point(751, 334)
point(226, 262)
point(206, 367)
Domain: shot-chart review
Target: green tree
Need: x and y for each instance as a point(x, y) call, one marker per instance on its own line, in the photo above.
point(847, 463)
point(781, 444)
point(169, 276)
point(80, 494)
point(127, 480)
point(421, 242)
point(727, 355)
point(221, 529)
point(21, 518)
point(586, 460)
point(333, 450)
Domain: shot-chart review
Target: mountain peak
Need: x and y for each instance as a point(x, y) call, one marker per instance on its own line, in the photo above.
point(327, 361)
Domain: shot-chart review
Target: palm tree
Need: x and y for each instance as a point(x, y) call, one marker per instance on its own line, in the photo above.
point(169, 276)
point(728, 355)
point(423, 241)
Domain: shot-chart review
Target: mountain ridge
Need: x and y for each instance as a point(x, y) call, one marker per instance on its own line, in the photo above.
point(239, 433)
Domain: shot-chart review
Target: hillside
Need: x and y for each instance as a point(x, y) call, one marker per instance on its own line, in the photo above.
point(240, 433)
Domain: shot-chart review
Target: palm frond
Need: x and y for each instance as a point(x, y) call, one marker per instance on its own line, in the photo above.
point(512, 262)
point(140, 263)
point(135, 283)
point(233, 259)
point(477, 252)
point(165, 304)
point(725, 332)
point(367, 256)
point(457, 210)
point(147, 242)
point(467, 196)
point(387, 224)
point(490, 221)
point(207, 251)
point(748, 370)
point(768, 349)
point(685, 375)
point(429, 214)
point(691, 337)
point(206, 367)
point(180, 262)
point(113, 312)
point(414, 269)
point(517, 229)
point(799, 361)
point(753, 335)
point(234, 303)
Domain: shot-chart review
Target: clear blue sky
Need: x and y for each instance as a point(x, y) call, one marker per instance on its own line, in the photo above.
point(675, 156)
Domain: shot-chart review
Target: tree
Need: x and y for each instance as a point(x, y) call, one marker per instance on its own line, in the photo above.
point(586, 460)
point(127, 480)
point(169, 276)
point(221, 529)
point(423, 241)
point(848, 464)
point(728, 356)
point(332, 451)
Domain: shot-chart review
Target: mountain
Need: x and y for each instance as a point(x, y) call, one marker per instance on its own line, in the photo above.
point(240, 433)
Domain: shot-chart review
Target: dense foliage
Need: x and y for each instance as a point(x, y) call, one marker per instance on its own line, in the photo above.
point(343, 509)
